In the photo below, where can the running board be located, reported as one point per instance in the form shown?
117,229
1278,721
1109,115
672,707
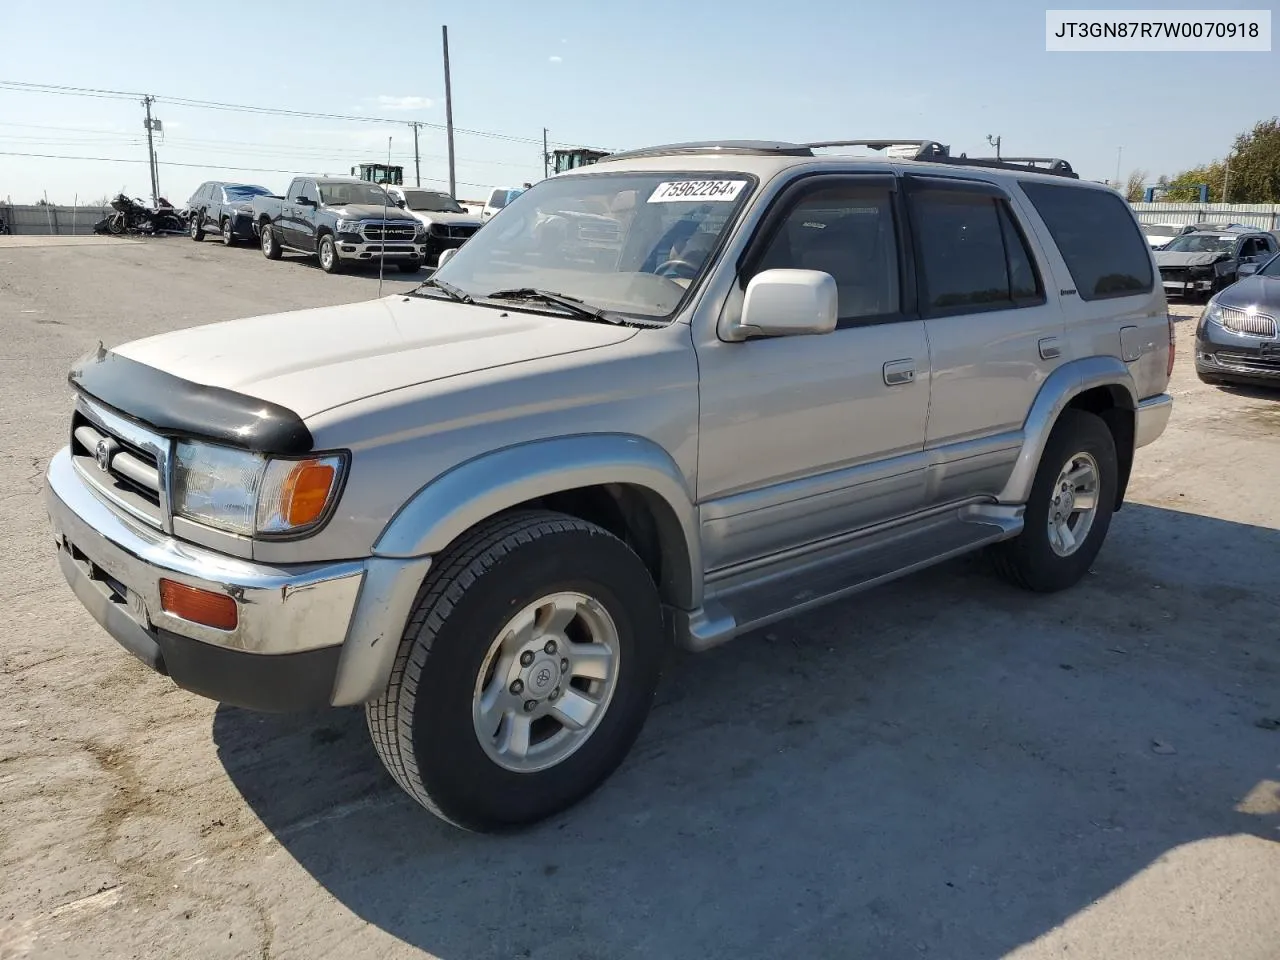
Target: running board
739,601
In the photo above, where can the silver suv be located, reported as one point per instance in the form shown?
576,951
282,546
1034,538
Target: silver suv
674,396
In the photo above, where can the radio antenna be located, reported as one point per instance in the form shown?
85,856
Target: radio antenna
386,198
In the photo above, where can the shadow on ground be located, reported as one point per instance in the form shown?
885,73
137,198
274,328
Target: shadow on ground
943,767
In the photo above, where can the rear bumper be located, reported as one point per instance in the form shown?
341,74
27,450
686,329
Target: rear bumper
306,637
1151,418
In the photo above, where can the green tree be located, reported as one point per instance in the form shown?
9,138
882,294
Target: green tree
1185,187
1255,165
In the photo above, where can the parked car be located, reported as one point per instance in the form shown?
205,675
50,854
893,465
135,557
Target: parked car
499,198
448,223
1205,261
1158,234
483,509
226,207
339,221
1237,340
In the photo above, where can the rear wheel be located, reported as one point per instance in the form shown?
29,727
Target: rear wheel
525,673
270,246
1069,510
327,253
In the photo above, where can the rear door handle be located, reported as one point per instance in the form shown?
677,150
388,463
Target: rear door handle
899,371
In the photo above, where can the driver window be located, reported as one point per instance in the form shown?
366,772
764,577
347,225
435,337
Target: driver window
309,191
848,231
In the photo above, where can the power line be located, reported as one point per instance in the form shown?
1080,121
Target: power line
64,90
199,166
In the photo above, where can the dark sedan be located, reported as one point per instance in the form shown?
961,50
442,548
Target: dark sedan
1237,340
225,209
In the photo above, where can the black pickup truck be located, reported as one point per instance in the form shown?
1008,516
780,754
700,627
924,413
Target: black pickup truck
339,220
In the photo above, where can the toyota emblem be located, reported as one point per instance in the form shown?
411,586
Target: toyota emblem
102,454
544,677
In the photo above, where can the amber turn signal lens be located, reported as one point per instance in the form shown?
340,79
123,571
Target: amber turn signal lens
211,609
306,491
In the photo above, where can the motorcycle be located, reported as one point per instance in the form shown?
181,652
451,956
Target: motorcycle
133,216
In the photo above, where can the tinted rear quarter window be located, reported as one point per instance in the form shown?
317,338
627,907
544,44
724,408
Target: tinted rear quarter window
1097,237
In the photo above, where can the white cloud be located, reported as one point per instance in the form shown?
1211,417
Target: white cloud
554,59
403,103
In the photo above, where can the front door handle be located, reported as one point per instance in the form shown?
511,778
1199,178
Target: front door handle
899,371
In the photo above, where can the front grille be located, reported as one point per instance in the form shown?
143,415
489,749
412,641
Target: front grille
450,231
388,230
1250,324
123,460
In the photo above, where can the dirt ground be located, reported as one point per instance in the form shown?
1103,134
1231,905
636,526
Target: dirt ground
946,767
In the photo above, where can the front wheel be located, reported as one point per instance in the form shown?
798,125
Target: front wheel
196,226
1069,511
228,233
270,246
525,673
327,252
116,224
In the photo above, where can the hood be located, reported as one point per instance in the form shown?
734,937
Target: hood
1175,258
369,211
313,360
1255,291
453,219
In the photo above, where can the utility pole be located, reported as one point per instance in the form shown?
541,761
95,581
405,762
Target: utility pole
1226,178
546,157
1119,151
995,142
448,111
417,168
151,151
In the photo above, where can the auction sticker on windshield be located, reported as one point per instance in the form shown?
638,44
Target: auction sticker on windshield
675,190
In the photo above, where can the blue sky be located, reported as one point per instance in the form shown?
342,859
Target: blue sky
613,75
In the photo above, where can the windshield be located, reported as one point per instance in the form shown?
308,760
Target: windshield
1157,229
639,256
501,198
1200,243
431,201
341,194
244,191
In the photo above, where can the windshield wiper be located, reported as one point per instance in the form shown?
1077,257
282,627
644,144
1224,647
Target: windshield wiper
575,306
448,289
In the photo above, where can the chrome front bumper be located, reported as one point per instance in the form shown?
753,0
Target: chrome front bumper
306,635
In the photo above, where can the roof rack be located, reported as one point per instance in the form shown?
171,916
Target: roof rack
926,151
757,147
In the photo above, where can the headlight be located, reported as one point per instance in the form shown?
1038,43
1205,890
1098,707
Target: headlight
423,231
1212,312
348,226
250,494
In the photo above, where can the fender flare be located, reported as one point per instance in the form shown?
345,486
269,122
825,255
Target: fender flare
1058,390
458,499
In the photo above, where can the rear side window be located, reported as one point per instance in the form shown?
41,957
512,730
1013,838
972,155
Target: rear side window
973,256
1097,237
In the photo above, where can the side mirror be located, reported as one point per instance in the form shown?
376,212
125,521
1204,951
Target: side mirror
785,302
1246,270
444,256
303,200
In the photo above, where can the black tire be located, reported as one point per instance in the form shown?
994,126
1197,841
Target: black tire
270,245
1029,560
327,254
116,225
413,267
196,226
228,232
422,725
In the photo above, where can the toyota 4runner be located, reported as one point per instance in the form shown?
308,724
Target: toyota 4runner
482,509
